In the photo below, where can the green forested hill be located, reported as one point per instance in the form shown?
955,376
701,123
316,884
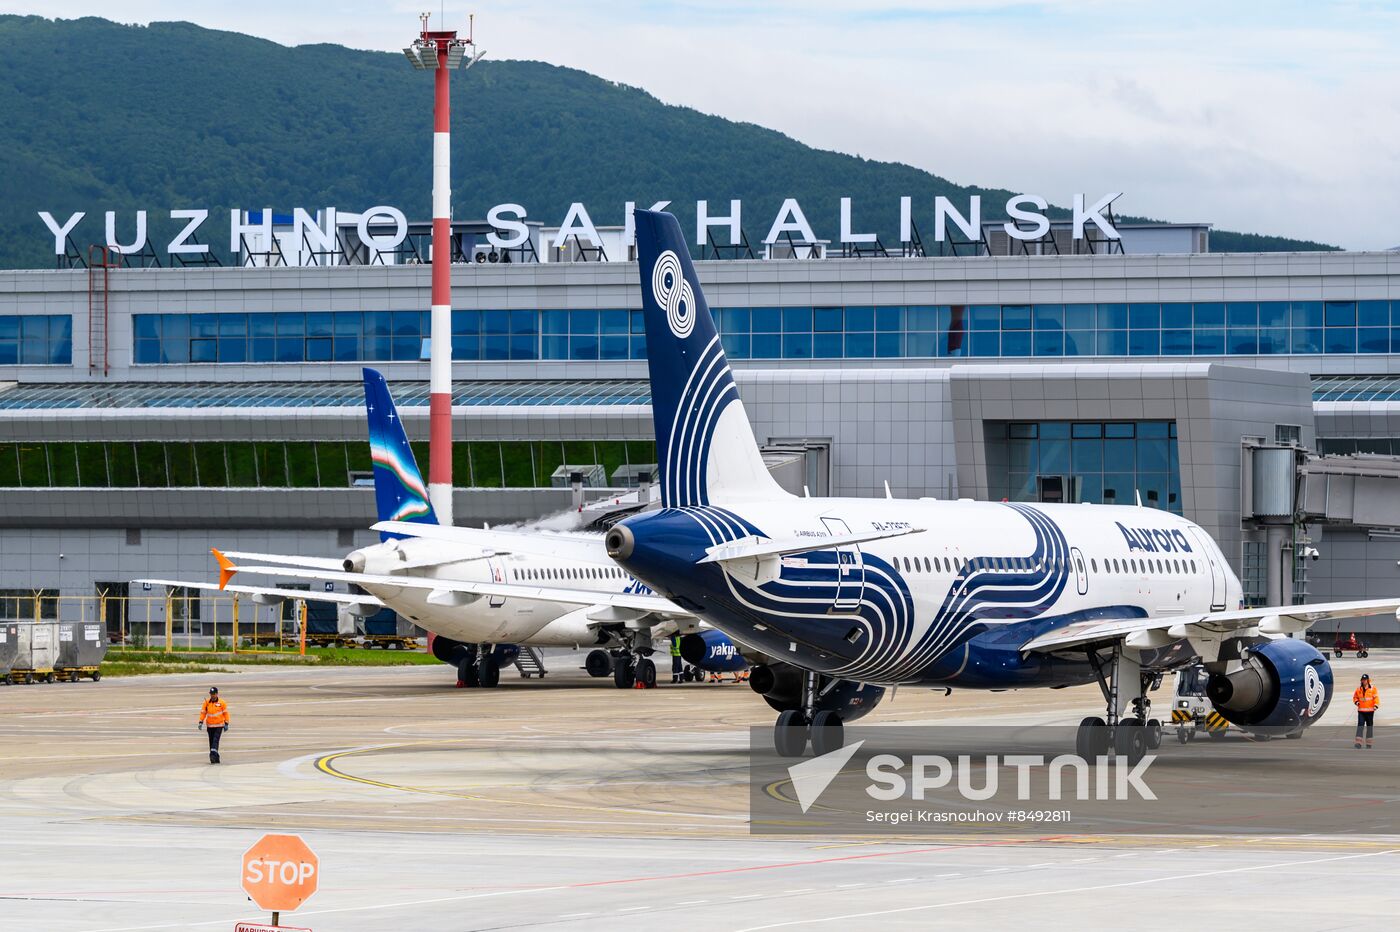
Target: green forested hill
98,116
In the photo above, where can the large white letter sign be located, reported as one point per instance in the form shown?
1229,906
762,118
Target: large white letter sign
507,217
60,233
790,219
377,216
703,222
971,225
1041,225
1093,215
180,245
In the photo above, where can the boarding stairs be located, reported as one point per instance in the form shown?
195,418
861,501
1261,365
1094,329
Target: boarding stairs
530,662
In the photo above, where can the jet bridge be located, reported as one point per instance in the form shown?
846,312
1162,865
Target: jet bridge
1285,489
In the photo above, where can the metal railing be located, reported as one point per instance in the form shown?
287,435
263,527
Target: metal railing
175,622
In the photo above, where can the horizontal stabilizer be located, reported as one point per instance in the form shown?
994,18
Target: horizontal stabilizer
750,547
583,548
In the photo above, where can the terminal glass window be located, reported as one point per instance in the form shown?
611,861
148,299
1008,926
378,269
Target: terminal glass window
1108,462
36,340
948,331
292,464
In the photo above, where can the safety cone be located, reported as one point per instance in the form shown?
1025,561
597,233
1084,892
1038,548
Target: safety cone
638,684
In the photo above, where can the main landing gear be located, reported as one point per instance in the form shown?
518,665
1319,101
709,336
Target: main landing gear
631,663
477,666
796,727
1128,730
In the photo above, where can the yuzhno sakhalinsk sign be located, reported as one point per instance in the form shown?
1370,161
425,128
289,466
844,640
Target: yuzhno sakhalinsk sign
384,228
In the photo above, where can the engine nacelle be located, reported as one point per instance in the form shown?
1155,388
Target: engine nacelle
505,654
712,652
780,685
1281,683
445,649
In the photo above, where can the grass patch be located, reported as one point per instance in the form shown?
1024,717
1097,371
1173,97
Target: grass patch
147,668
315,656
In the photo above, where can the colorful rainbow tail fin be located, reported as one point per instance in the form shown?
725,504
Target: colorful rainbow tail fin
399,491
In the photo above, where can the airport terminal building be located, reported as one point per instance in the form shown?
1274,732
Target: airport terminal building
147,414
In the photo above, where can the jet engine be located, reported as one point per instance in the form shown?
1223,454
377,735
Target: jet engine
1281,683
712,652
445,649
780,685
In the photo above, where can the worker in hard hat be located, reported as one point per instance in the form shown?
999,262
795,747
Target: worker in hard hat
1367,700
677,665
213,719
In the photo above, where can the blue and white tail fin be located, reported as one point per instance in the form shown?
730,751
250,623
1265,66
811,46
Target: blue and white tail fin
399,492
704,443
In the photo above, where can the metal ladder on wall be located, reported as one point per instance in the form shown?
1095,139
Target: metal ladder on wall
100,266
530,662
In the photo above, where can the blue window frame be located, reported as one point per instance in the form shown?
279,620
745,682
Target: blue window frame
38,340
1209,328
1242,314
1340,313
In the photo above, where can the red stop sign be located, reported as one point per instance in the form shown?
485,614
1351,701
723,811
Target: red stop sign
280,872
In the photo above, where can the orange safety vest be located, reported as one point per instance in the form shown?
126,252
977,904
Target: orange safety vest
1367,699
214,713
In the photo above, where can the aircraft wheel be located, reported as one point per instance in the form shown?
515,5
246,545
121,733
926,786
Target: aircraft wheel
624,674
1091,740
1154,734
488,671
598,663
1130,739
790,734
646,672
466,672
827,733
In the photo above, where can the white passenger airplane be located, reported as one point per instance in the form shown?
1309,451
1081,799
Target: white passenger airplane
844,597
478,591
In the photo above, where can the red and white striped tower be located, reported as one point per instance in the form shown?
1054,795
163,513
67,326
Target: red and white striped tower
441,52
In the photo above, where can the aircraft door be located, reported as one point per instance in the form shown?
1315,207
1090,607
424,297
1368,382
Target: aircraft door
851,573
1217,572
497,576
1081,571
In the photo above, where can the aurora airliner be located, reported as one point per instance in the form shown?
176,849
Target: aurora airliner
839,598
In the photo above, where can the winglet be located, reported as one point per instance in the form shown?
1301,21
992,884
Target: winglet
226,567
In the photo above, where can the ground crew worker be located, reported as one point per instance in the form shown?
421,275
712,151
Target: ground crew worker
1367,700
676,665
213,718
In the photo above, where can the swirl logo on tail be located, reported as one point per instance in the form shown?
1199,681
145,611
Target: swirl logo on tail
673,292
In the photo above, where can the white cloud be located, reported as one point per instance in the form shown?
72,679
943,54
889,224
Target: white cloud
1275,117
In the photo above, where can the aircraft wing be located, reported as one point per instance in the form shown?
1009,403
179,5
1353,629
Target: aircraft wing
751,547
272,592
441,589
319,563
583,548
1154,632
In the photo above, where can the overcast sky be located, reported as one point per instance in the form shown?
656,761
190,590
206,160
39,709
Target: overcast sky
1271,116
